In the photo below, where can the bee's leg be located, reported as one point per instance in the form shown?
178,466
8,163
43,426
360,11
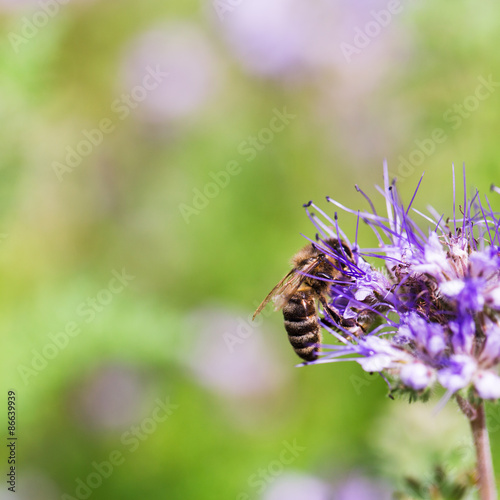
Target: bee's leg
353,326
327,322
335,319
349,324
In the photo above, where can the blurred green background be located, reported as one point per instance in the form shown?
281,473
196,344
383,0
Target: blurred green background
173,144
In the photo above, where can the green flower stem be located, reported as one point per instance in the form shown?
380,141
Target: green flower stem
484,464
486,476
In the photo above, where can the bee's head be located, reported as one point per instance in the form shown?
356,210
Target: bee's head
307,256
315,262
319,260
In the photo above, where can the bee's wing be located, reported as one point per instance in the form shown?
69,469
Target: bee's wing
275,291
286,288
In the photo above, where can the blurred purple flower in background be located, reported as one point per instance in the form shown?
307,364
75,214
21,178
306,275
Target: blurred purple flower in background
298,487
358,487
246,368
35,484
296,43
285,38
32,5
269,39
111,397
18,4
193,71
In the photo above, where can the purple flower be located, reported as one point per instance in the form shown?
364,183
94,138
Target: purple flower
32,5
433,314
463,333
297,486
359,487
289,40
229,355
377,354
432,260
490,354
487,385
428,338
186,73
417,375
458,374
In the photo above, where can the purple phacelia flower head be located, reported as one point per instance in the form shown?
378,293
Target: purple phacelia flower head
429,312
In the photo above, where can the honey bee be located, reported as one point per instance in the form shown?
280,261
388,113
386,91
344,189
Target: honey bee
296,294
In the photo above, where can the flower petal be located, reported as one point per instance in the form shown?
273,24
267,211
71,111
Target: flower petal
458,374
416,375
452,288
487,385
375,363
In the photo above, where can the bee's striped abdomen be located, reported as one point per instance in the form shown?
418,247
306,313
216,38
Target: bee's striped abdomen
301,324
